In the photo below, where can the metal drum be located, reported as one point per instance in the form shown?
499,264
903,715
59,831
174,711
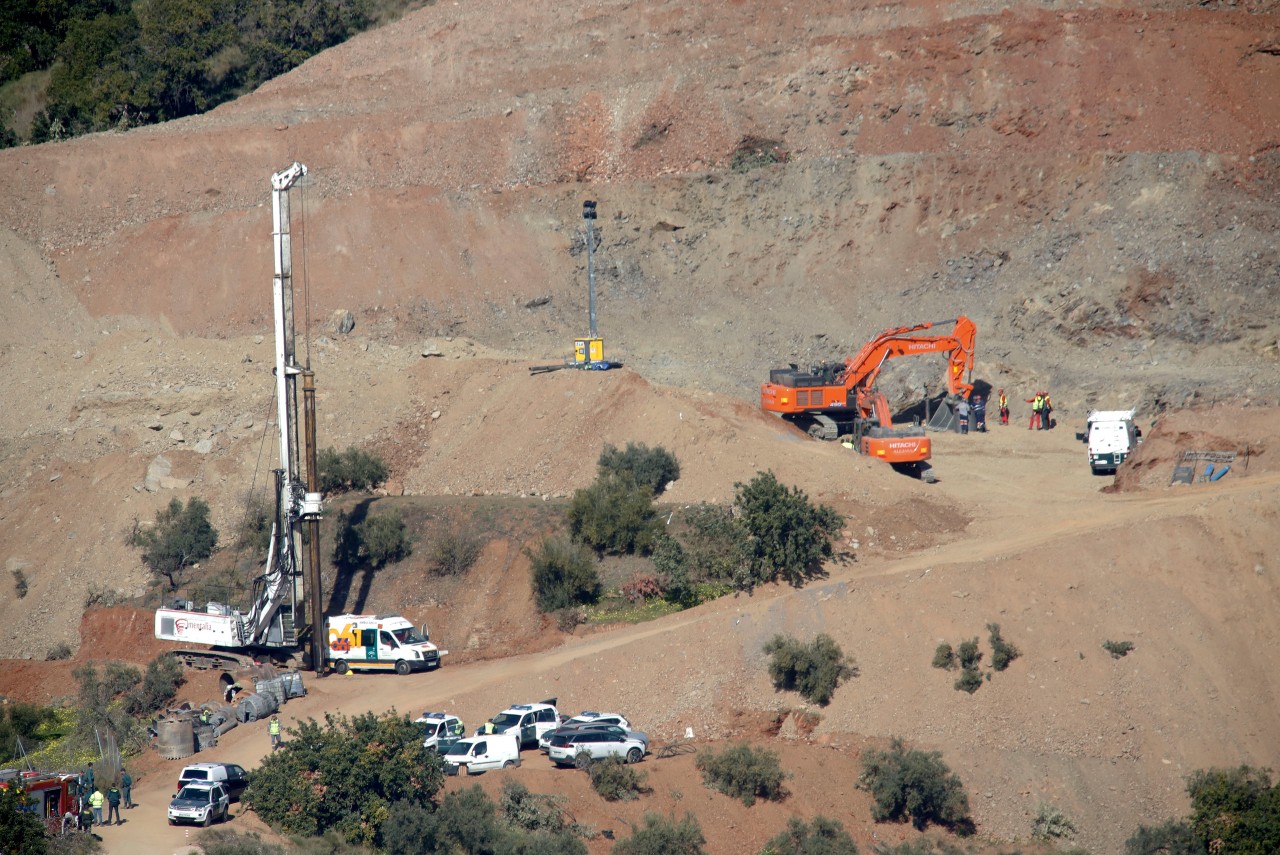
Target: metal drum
176,738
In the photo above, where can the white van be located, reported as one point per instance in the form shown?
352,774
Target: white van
1111,436
379,643
482,753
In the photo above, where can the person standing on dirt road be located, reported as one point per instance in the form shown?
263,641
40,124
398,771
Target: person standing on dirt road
113,804
273,728
126,787
1046,407
86,780
962,413
95,802
979,414
1037,403
1004,408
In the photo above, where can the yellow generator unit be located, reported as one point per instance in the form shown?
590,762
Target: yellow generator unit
588,350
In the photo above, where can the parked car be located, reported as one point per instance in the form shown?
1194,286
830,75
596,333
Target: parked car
202,804
528,721
481,753
545,742
440,730
234,778
596,744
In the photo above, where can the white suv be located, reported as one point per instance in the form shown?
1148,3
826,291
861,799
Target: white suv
200,803
584,719
528,721
596,744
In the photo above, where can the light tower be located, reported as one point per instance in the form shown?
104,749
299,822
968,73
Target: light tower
589,351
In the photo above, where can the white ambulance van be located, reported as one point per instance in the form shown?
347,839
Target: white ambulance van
379,643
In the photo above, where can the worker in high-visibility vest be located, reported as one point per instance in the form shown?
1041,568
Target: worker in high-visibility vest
95,801
1004,408
273,728
1037,404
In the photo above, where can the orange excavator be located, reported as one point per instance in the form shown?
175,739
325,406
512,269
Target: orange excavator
838,399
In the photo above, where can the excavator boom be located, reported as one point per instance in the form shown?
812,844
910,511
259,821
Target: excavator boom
837,395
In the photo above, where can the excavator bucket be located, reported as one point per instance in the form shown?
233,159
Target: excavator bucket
944,418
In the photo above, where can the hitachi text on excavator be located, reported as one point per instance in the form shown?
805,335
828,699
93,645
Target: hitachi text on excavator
840,399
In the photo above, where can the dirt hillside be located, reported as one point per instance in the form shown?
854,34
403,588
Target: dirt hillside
1093,186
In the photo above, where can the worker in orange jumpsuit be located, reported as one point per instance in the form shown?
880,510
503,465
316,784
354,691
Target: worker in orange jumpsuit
1004,408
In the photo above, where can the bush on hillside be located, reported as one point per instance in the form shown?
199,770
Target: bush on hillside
616,780
21,829
615,515
158,686
1117,649
814,669
1051,824
350,470
375,541
532,811
1237,809
1170,838
969,654
180,538
467,820
225,841
98,703
373,762
653,468
944,657
662,836
743,772
914,786
453,551
970,680
564,575
787,537
820,836
1002,652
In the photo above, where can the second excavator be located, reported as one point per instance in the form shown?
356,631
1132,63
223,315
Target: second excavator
839,399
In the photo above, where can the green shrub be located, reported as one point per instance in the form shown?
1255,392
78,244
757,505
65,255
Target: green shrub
788,537
1171,838
564,575
350,470
1051,824
225,841
711,548
375,541
1117,649
383,539
453,551
615,515
21,831
532,811
969,654
1002,652
743,772
821,836
20,586
254,533
373,761
662,836
98,704
944,657
75,844
1239,807
970,680
159,685
58,652
653,468
814,670
180,538
19,720
914,786
754,152
615,780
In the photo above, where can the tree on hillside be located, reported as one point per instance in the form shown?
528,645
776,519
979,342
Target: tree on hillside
1237,810
654,468
345,775
21,832
180,538
615,515
789,537
352,470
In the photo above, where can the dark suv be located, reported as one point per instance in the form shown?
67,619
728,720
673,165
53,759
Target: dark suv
234,778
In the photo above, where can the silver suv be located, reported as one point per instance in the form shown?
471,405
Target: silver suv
566,748
527,721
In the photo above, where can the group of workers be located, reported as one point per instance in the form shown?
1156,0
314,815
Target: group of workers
119,793
973,412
